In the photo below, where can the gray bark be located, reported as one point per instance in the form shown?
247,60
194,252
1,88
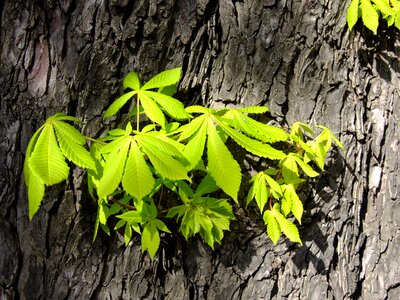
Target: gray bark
295,56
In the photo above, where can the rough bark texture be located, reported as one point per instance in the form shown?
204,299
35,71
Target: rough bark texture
295,56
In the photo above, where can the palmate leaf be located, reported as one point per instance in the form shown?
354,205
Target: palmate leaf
28,153
352,14
369,16
47,161
384,7
166,78
222,166
254,109
187,130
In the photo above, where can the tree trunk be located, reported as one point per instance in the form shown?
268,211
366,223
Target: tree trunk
295,56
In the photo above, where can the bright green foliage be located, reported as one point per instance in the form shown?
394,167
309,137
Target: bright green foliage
204,215
45,157
153,102
130,171
146,217
371,10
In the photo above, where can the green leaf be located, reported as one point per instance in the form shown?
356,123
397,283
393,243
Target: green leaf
162,79
172,106
35,194
384,7
198,109
150,239
254,109
305,167
68,138
113,169
296,204
63,117
195,147
273,228
151,109
131,81
132,217
290,171
28,153
369,16
137,180
251,145
261,193
222,166
207,186
47,161
276,189
187,130
127,234
117,104
352,14
288,228
160,225
165,164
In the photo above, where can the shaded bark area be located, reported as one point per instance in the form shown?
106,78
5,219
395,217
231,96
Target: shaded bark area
297,57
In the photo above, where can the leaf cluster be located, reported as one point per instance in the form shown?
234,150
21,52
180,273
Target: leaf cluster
179,166
371,10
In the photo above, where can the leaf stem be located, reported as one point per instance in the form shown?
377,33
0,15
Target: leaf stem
94,140
130,207
137,112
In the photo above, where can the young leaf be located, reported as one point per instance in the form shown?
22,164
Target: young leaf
195,147
113,169
222,166
117,104
207,186
254,109
251,145
290,171
162,79
369,16
305,167
35,194
70,141
288,228
150,239
131,81
273,228
151,109
137,180
165,164
296,204
172,106
47,161
127,234
352,14
261,192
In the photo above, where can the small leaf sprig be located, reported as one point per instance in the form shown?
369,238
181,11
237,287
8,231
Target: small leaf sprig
130,169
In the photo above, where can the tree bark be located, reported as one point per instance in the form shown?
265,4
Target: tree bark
295,56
